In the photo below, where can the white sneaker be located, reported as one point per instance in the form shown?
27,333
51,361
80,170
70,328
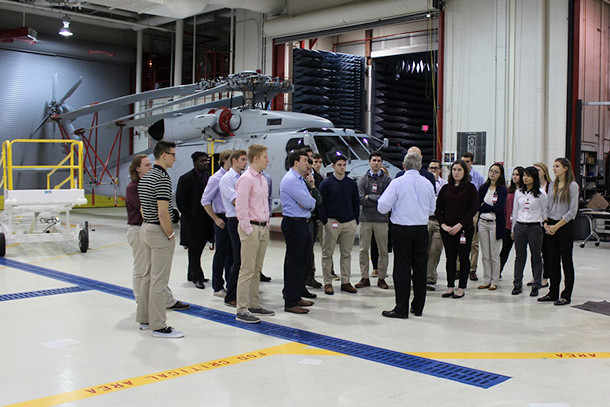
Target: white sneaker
222,293
167,332
144,327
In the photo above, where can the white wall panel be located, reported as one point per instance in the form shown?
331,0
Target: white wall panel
505,74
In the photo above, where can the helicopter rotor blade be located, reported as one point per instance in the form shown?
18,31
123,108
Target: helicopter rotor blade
39,126
71,91
55,85
197,95
126,100
237,101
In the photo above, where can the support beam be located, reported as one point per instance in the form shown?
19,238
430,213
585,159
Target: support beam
178,52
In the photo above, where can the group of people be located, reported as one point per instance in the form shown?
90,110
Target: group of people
415,215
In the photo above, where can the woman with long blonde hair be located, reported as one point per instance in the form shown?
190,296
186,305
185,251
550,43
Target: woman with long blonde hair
559,227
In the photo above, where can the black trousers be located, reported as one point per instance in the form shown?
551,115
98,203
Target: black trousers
232,225
507,244
310,270
223,255
374,252
410,263
453,250
298,250
561,248
195,272
546,264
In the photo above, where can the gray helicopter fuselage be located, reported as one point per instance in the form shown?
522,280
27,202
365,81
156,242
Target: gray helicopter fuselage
280,131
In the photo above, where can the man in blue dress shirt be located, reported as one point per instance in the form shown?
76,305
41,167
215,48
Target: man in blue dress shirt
412,200
298,195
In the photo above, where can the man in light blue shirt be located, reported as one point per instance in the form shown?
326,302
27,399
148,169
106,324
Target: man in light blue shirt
297,195
477,180
211,200
239,161
411,199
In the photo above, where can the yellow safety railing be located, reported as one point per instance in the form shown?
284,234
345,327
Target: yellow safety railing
75,156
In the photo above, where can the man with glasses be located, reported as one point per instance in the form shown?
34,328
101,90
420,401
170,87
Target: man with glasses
435,243
157,235
196,226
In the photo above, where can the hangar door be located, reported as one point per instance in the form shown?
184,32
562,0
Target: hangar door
28,88
404,104
330,85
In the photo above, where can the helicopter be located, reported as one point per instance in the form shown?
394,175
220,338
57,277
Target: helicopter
234,123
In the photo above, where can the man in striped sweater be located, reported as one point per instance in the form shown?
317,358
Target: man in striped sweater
157,235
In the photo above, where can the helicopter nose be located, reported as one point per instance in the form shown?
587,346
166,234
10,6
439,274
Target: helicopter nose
157,130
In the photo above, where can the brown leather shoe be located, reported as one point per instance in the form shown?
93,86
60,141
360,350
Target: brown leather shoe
382,284
364,282
305,303
484,286
231,303
297,310
328,289
493,287
348,288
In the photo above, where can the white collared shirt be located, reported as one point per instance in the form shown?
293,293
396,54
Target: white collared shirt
529,209
410,198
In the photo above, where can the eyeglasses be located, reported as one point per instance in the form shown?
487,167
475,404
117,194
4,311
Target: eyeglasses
494,172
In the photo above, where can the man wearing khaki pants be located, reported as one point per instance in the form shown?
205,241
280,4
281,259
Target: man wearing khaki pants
370,188
339,212
157,235
252,211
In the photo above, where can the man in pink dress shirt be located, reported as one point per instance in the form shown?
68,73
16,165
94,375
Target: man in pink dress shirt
252,211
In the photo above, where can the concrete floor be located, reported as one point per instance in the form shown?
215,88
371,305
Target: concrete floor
84,348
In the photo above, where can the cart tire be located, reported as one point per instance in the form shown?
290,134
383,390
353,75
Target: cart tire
83,240
582,245
596,243
2,245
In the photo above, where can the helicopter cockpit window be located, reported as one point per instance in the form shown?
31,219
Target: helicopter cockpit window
356,147
330,146
293,144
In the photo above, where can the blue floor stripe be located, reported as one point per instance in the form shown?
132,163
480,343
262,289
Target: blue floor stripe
41,293
461,374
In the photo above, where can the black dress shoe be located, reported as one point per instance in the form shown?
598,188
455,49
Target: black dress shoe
264,278
562,301
311,282
394,314
417,314
458,296
534,292
547,298
447,295
199,284
308,294
516,291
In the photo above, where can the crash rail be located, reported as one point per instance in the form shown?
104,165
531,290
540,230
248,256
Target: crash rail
75,156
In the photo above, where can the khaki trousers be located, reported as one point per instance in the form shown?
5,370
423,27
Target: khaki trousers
490,252
435,248
344,234
474,249
381,237
253,248
139,265
158,255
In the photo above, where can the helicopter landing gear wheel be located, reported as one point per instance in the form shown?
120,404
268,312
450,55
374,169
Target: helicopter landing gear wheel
83,238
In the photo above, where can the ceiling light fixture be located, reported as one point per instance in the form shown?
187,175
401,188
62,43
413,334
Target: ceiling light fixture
65,30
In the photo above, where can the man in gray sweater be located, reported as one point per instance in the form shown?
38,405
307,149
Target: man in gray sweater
370,188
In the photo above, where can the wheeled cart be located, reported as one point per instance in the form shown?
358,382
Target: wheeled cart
43,215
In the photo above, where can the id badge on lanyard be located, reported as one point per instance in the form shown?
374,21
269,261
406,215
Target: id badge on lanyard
527,204
374,187
494,199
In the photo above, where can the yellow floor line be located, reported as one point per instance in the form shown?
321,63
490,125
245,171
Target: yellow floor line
511,355
292,348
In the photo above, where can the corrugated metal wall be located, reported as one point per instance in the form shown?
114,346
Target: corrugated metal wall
27,86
